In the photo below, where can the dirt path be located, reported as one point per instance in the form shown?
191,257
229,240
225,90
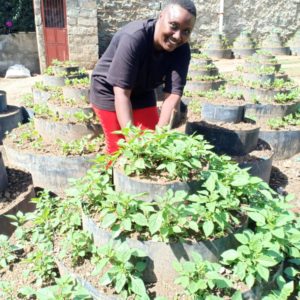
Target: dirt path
285,175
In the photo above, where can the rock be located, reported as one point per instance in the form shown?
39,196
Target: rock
17,71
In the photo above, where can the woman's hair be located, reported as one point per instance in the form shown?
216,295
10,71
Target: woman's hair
187,5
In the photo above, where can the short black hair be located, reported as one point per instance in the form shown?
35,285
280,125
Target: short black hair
187,5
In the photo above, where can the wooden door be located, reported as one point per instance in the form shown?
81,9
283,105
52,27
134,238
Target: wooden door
55,30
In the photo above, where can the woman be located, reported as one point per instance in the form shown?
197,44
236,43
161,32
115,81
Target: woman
140,57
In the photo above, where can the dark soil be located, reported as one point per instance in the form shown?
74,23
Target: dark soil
18,183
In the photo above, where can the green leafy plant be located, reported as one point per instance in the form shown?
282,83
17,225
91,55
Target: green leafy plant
125,266
253,259
7,252
78,82
289,120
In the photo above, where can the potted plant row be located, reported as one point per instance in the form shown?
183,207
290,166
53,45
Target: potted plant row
217,47
219,117
274,44
60,139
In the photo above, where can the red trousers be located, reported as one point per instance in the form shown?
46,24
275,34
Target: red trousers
146,118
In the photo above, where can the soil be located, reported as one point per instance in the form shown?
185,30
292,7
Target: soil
18,183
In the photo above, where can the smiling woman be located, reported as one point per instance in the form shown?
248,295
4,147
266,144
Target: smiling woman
141,56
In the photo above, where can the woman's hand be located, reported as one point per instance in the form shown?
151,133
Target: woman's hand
169,106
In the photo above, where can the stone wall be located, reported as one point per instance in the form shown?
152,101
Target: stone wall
81,29
257,16
82,32
19,48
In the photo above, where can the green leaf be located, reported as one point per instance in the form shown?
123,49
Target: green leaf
140,219
139,163
208,228
155,222
194,226
291,272
106,279
257,217
100,265
237,296
263,272
171,167
250,279
240,180
243,239
138,286
108,220
120,283
230,255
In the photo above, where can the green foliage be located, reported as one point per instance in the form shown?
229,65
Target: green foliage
64,288
7,252
202,279
289,120
20,12
78,82
174,155
125,265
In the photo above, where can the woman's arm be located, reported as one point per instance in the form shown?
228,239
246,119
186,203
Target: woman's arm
123,106
169,105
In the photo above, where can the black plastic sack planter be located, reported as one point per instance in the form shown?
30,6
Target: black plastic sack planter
23,204
49,80
3,175
277,50
295,50
252,64
10,119
94,293
27,113
242,53
203,72
3,102
192,85
65,110
161,255
133,185
80,94
52,130
218,53
49,171
260,166
285,143
266,111
214,112
231,142
258,77
67,70
40,96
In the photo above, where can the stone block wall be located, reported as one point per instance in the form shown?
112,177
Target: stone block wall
19,48
82,32
257,16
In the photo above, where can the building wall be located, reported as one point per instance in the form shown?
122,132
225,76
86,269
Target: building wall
82,32
19,48
257,16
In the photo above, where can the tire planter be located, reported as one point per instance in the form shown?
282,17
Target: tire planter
10,119
242,53
261,166
3,102
203,85
214,112
218,53
154,190
76,93
40,96
231,142
49,171
23,204
3,175
277,50
266,111
285,143
53,80
160,254
52,130
97,295
27,113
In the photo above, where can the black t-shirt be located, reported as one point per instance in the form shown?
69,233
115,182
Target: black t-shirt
131,62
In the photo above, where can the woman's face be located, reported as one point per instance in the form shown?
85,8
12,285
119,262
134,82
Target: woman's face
173,28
